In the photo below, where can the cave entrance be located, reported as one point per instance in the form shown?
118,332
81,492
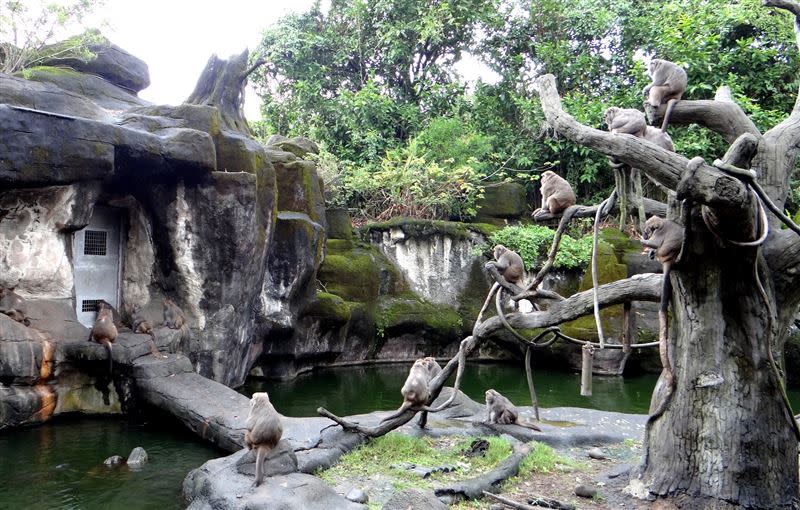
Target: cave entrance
97,251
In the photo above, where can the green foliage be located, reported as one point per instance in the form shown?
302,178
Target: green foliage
374,82
532,243
28,27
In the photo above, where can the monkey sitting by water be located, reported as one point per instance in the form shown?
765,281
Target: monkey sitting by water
104,332
14,305
264,430
174,318
500,410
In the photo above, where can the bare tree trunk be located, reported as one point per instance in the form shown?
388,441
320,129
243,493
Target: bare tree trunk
221,84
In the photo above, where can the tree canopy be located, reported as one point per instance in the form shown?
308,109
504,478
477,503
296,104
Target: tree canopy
370,76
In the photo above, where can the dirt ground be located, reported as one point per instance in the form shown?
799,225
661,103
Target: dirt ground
590,472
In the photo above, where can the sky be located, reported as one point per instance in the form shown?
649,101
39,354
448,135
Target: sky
176,37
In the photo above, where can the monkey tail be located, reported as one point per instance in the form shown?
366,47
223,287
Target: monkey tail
261,453
529,425
403,408
665,122
663,341
107,344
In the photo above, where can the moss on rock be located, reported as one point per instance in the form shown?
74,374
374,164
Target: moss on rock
331,310
396,315
505,200
417,229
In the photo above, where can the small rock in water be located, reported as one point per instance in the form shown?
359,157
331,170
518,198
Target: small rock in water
114,461
357,496
596,453
137,458
585,491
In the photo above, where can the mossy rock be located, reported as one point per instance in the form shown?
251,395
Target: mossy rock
609,269
330,310
357,272
340,225
505,200
420,229
395,316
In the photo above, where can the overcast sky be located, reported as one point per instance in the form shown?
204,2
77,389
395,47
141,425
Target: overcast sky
176,37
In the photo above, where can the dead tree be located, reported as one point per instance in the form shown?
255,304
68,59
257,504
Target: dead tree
722,435
221,84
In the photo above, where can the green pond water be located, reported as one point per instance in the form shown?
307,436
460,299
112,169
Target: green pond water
60,464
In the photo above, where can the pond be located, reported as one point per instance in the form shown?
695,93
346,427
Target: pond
60,464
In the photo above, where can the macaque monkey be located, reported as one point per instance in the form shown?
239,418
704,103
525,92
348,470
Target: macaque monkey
659,137
664,238
509,264
139,324
264,430
500,410
557,194
101,303
415,391
433,367
14,305
669,84
174,317
625,121
104,332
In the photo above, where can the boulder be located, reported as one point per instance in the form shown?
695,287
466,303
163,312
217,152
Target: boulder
137,458
109,61
502,202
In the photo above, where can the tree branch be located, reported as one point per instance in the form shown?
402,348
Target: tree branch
723,117
651,207
662,165
643,287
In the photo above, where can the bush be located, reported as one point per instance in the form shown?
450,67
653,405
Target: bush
533,242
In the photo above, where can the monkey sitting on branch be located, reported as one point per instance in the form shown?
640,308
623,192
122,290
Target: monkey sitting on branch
14,305
264,430
557,194
668,84
416,389
665,240
501,411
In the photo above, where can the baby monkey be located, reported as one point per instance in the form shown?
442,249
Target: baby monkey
664,238
264,430
500,410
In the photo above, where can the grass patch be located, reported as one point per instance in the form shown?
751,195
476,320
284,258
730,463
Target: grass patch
388,454
544,459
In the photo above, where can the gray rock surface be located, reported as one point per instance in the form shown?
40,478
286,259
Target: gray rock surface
357,496
208,488
279,461
414,499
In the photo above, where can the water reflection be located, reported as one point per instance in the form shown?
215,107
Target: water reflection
353,390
